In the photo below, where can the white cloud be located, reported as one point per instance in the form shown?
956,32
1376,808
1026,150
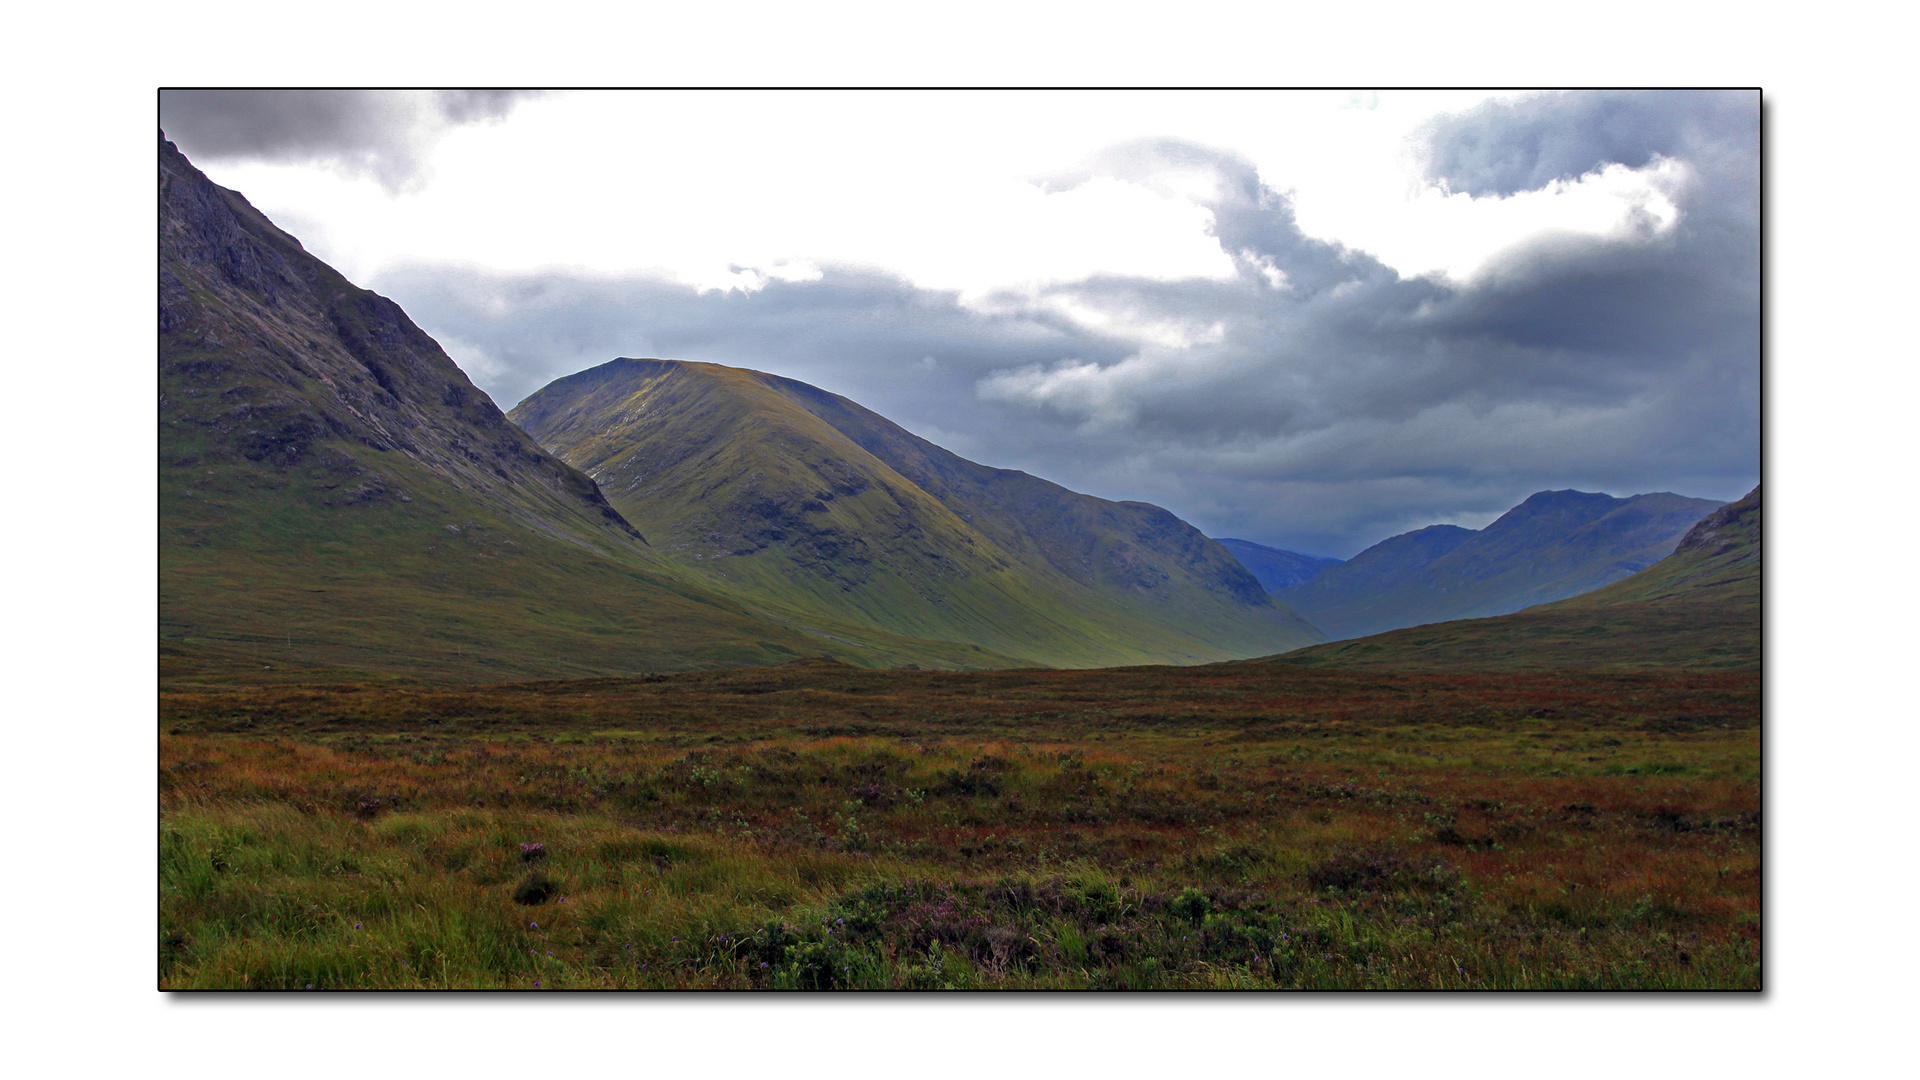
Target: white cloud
732,190
1075,387
1428,230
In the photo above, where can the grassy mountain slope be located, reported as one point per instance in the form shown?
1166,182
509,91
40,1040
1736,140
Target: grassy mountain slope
1273,568
1697,608
1717,561
334,493
781,492
1554,545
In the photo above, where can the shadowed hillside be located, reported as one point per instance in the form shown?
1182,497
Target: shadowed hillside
782,492
1554,545
1696,608
1276,569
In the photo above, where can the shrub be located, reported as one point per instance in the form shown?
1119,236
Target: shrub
971,782
1191,905
811,965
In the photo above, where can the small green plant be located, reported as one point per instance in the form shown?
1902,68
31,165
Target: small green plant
1191,905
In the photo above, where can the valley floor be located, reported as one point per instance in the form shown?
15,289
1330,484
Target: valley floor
818,826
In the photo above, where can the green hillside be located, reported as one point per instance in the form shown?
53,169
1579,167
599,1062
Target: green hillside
335,494
1697,608
781,493
1554,545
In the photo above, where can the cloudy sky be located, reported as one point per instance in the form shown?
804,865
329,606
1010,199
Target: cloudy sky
1309,320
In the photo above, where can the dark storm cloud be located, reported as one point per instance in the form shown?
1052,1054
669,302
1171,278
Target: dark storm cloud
1502,148
851,332
382,133
1315,401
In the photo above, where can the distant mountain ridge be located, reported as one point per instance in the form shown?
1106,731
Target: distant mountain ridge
1698,608
1555,544
775,489
1274,568
1717,562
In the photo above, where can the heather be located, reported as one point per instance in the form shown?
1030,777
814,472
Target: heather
821,827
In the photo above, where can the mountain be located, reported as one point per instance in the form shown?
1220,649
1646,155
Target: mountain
1697,608
785,494
335,493
1716,562
1276,569
1554,545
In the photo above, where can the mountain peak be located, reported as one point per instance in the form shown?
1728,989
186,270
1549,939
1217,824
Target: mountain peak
334,492
780,489
1553,545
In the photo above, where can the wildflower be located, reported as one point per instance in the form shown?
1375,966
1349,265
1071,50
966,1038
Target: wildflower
536,984
535,925
356,926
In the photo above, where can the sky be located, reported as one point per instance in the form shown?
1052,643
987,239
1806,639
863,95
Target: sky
1310,320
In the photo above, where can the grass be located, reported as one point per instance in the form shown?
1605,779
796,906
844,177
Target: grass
444,587
818,826
1698,634
777,492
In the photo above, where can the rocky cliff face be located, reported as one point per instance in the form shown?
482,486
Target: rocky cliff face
1732,526
273,355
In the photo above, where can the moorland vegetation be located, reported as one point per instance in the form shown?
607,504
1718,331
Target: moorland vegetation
820,826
